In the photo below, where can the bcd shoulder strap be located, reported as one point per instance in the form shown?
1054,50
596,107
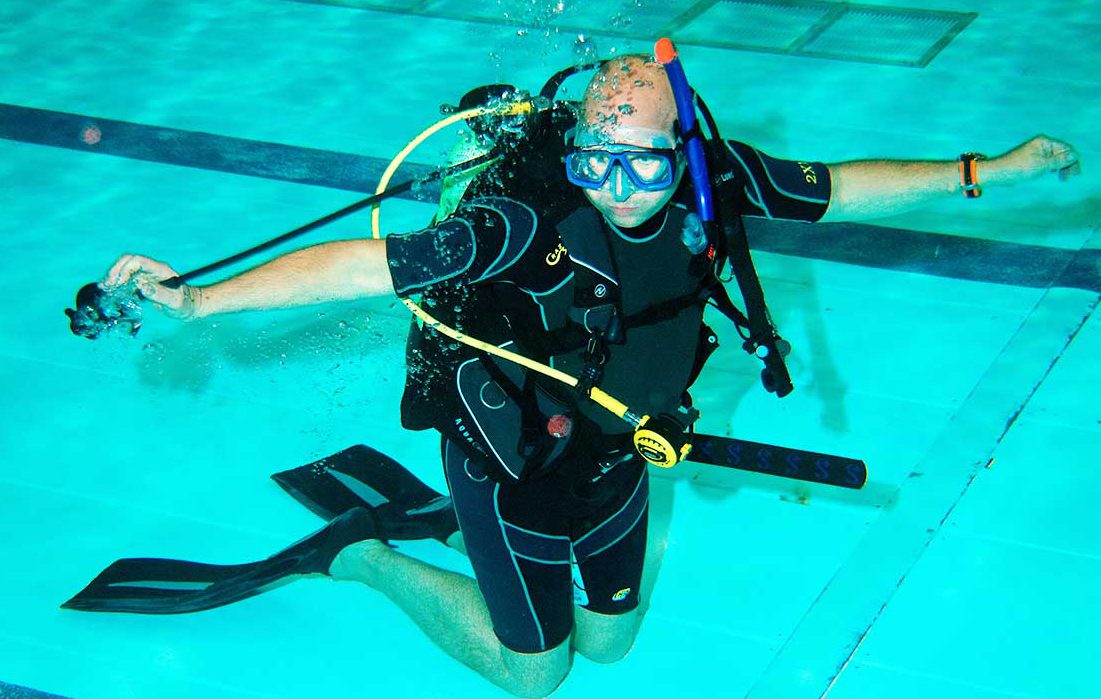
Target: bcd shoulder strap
759,335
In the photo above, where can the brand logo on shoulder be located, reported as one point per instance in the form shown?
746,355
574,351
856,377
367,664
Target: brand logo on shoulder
555,256
809,173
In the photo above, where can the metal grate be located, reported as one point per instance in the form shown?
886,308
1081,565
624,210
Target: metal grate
753,26
834,30
813,28
886,35
632,19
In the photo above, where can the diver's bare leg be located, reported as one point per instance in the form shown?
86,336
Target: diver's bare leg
449,608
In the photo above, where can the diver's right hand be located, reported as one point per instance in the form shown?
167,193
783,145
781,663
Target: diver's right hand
184,303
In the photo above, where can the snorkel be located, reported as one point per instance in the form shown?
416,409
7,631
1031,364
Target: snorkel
761,339
666,54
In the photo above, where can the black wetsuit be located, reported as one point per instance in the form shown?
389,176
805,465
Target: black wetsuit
529,503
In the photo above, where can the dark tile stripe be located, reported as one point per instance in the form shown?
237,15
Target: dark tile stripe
14,691
196,149
936,254
870,246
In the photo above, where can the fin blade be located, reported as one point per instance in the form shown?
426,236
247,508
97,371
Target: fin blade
359,476
172,586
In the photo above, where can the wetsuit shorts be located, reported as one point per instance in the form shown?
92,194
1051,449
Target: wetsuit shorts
541,547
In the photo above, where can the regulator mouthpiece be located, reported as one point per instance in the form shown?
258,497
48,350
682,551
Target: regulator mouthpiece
100,311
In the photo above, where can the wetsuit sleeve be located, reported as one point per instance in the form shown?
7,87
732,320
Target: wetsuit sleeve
768,187
482,240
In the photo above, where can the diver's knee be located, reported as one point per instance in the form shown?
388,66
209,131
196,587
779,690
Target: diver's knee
536,688
603,638
537,675
607,653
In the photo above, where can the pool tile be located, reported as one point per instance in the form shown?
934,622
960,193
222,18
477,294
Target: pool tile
1006,617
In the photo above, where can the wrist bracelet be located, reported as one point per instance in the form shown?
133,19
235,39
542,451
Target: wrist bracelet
193,297
969,174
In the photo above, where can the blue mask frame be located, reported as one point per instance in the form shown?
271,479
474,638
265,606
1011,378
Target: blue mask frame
621,159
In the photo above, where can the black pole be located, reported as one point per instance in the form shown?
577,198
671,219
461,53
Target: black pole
177,282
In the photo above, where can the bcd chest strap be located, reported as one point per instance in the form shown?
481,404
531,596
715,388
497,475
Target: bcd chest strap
597,304
596,313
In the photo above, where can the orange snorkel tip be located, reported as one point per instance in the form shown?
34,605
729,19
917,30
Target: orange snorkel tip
664,51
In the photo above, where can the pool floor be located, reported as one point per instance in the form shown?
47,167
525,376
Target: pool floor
954,351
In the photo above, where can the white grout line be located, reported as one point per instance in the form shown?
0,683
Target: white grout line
828,636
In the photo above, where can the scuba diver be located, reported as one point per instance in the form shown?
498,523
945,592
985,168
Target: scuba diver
596,255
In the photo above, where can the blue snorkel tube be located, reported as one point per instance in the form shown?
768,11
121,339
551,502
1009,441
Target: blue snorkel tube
761,339
666,54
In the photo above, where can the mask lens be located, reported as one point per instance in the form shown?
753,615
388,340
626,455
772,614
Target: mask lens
588,167
650,168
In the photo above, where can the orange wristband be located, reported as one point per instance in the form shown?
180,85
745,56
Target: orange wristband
969,174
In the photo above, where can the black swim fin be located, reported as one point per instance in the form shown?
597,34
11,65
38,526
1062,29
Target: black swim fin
403,506
168,586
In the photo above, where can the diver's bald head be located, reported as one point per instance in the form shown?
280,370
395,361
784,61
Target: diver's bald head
628,94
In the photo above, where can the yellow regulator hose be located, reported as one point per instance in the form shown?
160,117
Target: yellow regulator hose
665,455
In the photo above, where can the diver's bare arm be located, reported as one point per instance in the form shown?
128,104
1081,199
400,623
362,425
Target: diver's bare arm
873,188
336,271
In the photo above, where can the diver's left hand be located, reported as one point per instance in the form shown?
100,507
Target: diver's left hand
1033,158
145,274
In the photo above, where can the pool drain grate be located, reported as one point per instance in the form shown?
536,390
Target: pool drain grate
837,31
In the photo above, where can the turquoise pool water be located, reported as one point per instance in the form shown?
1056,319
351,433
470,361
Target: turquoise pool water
928,354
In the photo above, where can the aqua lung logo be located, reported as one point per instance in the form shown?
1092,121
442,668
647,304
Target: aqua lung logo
621,595
466,435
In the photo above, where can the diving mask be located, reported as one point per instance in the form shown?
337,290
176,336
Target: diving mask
648,169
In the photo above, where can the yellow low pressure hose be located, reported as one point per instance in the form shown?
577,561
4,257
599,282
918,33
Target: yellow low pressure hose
598,396
409,148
